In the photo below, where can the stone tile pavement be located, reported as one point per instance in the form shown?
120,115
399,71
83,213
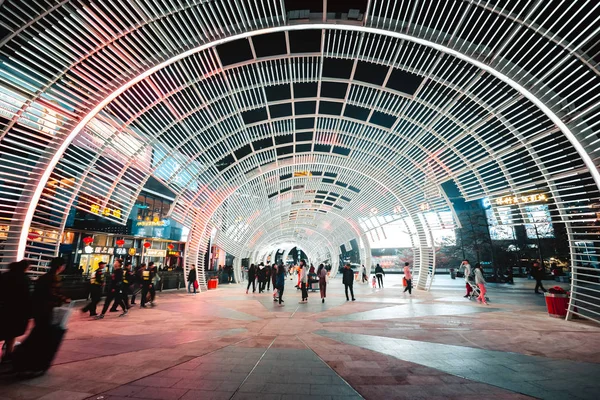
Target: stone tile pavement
225,344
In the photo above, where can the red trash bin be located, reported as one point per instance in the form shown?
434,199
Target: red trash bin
213,283
557,304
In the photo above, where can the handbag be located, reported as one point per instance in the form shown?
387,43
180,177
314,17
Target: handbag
404,283
195,284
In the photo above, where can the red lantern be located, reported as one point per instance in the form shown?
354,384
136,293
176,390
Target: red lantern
120,242
147,245
170,246
33,235
88,239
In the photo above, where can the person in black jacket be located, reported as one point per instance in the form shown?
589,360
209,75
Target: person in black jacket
48,294
137,282
261,277
115,290
379,273
96,285
148,275
191,279
348,281
251,278
128,279
15,305
538,274
267,278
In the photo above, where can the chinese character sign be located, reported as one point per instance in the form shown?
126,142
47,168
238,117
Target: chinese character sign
521,199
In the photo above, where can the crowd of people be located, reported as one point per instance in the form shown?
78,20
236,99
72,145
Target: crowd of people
262,276
121,285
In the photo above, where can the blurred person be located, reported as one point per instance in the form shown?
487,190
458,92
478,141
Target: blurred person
537,272
48,293
15,305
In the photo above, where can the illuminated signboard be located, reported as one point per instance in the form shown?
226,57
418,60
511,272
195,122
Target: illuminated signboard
107,212
300,174
521,199
155,253
155,222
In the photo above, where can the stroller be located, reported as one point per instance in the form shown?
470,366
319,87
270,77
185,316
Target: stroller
475,292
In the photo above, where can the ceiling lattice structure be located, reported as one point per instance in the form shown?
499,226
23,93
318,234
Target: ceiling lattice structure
277,125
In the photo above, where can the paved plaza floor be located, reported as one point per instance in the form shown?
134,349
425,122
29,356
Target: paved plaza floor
226,344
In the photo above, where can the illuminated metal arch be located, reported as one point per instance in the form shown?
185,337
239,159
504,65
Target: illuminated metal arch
371,15
84,121
422,231
334,239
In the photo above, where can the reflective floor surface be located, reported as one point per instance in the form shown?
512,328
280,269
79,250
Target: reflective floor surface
226,344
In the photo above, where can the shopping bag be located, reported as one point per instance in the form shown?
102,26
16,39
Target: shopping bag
195,284
404,283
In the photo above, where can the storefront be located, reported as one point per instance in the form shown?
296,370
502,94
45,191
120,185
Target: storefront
87,249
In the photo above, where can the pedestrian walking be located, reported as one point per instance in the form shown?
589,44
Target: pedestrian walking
480,282
15,305
96,286
251,278
274,275
115,290
137,279
126,287
148,281
379,273
408,277
191,279
268,271
538,274
365,277
261,277
468,270
304,281
348,281
280,282
48,294
322,275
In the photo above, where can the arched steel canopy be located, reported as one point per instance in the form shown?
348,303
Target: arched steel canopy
223,100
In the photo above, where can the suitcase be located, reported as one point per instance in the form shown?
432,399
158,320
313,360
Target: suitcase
36,353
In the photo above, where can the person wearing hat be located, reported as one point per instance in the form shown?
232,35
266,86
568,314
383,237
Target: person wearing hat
96,285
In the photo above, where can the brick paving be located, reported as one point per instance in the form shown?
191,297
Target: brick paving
225,344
